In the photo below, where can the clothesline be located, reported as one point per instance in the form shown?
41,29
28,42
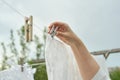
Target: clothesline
36,64
29,65
21,14
101,52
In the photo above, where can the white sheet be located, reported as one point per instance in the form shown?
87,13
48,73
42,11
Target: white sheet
61,63
15,73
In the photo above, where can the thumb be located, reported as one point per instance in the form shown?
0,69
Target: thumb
59,33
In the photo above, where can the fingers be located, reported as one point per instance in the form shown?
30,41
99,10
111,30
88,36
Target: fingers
56,24
60,34
61,26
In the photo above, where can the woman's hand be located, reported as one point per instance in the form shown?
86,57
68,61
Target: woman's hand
64,33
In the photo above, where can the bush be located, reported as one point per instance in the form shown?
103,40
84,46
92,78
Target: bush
115,74
41,73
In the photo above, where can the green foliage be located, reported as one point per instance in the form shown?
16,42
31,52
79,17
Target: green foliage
12,44
24,50
4,57
115,74
41,73
38,47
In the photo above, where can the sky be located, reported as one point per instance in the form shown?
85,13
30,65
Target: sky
96,22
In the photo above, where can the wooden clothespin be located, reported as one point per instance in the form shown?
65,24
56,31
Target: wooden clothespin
21,63
28,28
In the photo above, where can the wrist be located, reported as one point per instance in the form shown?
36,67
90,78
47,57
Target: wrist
76,42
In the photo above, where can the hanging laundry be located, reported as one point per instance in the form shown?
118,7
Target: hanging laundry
61,63
15,73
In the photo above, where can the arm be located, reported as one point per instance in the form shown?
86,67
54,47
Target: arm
86,63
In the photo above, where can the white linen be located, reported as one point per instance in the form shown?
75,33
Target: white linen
61,63
15,73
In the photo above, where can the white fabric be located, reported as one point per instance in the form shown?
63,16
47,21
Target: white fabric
15,73
61,63
103,73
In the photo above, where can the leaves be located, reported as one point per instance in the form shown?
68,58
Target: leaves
24,49
115,74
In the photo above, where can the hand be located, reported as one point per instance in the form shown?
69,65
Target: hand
64,33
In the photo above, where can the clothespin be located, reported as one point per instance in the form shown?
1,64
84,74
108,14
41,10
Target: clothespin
28,28
53,31
21,63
